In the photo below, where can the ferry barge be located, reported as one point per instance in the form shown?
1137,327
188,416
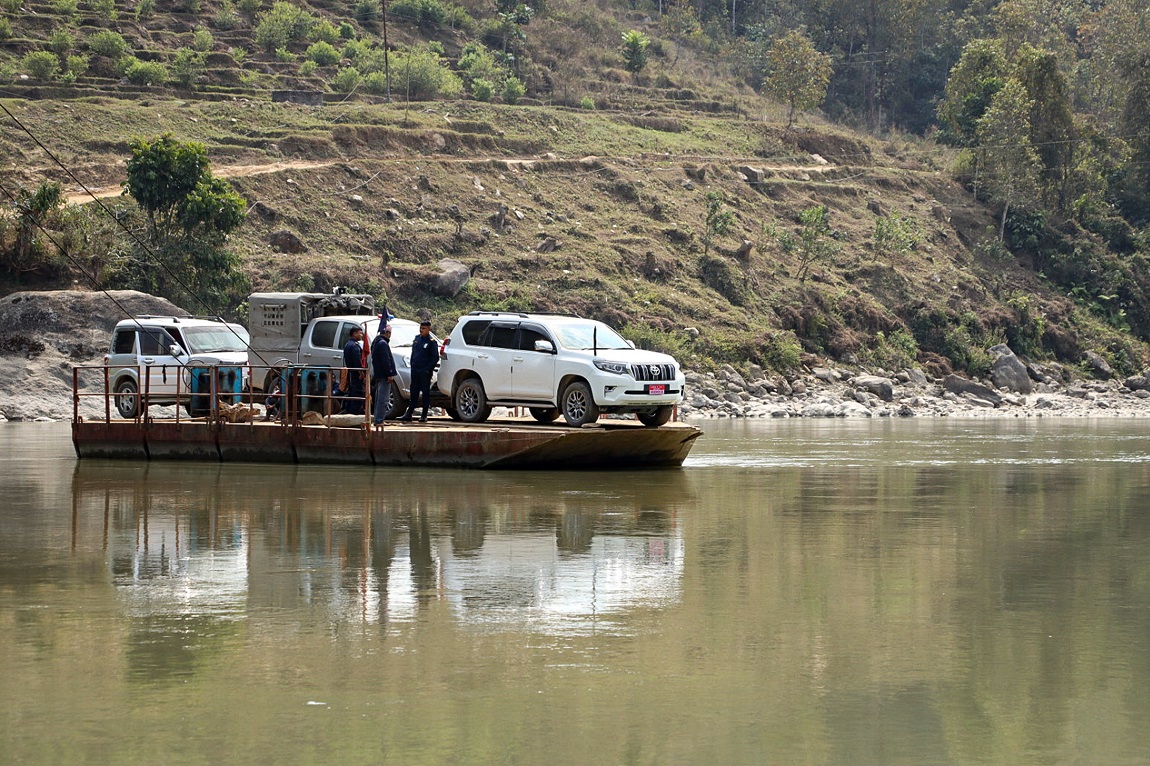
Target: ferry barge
303,435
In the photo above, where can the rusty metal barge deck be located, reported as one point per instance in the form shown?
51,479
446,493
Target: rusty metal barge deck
511,443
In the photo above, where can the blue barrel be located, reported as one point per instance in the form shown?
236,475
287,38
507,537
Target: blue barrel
200,391
314,386
230,384
229,387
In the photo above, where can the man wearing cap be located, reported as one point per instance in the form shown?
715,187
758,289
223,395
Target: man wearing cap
424,358
382,372
353,363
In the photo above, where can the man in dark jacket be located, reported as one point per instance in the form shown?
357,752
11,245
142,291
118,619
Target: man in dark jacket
424,358
382,372
353,361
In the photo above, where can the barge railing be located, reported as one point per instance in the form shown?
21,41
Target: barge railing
300,388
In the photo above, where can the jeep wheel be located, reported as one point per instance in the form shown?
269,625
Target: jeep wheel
271,380
127,398
471,401
657,418
578,405
545,414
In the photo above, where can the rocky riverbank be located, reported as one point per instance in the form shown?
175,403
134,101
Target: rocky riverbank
44,335
830,392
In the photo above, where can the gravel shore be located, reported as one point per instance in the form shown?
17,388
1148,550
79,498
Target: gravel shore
843,393
44,335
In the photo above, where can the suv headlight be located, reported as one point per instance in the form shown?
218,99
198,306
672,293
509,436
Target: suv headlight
616,368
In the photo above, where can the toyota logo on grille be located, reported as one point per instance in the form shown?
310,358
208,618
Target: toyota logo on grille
654,370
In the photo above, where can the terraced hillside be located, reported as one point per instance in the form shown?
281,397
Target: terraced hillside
611,212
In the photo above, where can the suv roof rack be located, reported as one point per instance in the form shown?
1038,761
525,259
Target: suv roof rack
519,314
205,317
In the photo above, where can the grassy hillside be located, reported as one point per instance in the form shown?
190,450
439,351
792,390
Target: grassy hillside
599,211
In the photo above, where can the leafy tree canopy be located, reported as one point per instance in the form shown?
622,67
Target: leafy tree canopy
797,74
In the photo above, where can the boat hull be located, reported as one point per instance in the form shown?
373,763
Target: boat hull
501,444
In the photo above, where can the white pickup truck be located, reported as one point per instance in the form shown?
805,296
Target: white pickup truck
311,329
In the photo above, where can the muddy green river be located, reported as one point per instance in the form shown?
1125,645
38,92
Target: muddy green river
800,592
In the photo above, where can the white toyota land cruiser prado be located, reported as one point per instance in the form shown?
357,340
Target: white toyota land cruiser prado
554,365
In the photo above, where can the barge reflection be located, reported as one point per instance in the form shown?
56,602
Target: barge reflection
551,552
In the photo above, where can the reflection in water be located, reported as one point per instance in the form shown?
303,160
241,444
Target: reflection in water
219,542
801,592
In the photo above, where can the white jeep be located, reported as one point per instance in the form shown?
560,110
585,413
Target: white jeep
155,355
311,329
554,365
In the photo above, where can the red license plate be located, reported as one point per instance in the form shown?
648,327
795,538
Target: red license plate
656,389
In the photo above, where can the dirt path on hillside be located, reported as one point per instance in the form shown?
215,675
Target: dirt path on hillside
221,171
80,197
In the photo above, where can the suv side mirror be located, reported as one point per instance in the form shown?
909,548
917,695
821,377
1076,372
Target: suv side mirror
175,350
545,346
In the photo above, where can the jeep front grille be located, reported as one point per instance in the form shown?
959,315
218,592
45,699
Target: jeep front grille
653,371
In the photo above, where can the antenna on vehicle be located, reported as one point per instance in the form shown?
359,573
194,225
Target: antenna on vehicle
594,340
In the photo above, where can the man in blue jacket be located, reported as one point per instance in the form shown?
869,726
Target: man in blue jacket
353,361
382,372
424,358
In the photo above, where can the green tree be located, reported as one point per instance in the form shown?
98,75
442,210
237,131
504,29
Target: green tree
146,73
1114,37
896,234
33,212
43,65
187,66
513,90
202,40
420,74
716,221
324,31
482,90
972,84
322,53
797,73
477,62
170,180
108,43
346,80
1135,122
74,66
814,241
634,51
366,11
190,215
282,24
1010,163
1052,131
506,30
61,42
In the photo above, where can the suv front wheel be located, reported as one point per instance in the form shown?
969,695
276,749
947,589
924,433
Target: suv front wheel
656,418
471,401
545,414
577,404
127,398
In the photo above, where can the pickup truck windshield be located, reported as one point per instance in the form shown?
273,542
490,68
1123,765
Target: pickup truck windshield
590,335
214,340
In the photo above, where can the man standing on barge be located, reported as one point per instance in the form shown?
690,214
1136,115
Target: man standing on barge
424,358
353,362
382,371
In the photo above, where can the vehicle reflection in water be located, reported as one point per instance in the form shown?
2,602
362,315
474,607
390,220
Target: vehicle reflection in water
193,543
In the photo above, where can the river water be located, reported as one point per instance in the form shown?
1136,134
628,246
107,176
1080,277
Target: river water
815,592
